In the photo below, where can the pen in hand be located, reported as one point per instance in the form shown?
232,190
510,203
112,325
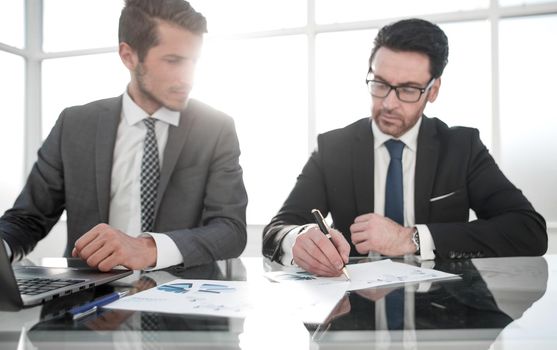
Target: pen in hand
323,227
92,306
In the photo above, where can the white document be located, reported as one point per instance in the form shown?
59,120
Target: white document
365,275
197,297
387,272
307,303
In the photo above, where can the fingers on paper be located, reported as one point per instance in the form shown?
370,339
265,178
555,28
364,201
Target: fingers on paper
314,252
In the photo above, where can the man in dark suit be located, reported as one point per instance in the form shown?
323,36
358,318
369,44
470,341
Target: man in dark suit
150,178
416,201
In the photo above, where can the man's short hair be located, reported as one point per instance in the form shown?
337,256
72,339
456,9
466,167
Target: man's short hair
415,35
139,20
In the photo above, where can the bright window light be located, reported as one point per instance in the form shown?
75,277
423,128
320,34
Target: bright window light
465,95
11,23
11,142
226,17
528,120
255,63
74,25
341,67
78,80
338,11
262,84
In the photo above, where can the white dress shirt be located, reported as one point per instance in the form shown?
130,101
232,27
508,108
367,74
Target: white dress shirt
125,188
381,165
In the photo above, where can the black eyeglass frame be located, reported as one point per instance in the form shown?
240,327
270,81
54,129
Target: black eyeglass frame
396,87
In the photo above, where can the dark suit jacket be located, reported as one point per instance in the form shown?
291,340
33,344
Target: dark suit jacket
201,199
338,179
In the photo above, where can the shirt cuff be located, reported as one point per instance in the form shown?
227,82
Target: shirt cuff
288,241
8,250
426,243
168,253
287,258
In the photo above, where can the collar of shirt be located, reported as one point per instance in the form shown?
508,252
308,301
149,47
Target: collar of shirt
410,138
134,114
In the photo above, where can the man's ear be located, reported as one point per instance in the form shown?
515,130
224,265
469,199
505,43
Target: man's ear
128,56
434,91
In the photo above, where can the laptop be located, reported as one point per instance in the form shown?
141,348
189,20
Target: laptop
25,286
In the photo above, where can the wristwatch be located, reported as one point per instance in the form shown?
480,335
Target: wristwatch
416,240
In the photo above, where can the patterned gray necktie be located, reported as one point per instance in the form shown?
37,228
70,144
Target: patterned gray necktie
149,176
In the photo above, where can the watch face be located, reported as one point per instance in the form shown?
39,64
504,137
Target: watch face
416,241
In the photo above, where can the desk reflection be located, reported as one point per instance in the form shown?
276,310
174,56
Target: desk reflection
124,329
471,309
468,313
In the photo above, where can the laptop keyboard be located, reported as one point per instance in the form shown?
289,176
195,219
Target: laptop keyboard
34,286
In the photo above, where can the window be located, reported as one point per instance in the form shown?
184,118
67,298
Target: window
522,2
269,106
225,17
338,11
73,25
465,95
11,142
11,23
341,62
528,120
78,80
285,74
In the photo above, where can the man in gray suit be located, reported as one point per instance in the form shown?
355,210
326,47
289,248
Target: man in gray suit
148,179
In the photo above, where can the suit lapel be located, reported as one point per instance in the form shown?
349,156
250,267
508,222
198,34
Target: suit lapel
362,168
107,127
426,167
177,136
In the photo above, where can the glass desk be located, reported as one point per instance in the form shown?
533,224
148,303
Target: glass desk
502,303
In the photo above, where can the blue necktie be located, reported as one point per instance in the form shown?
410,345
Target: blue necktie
394,206
394,209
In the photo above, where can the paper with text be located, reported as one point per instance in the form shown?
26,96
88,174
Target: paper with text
307,303
365,275
197,297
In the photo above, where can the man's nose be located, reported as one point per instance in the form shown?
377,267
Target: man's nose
390,100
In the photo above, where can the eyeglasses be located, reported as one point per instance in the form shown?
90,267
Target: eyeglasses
405,93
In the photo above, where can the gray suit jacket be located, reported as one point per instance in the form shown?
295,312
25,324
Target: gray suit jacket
201,200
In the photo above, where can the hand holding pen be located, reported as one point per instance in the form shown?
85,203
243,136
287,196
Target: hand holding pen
323,227
315,253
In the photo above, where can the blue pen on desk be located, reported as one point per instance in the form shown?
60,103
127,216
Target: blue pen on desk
92,306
